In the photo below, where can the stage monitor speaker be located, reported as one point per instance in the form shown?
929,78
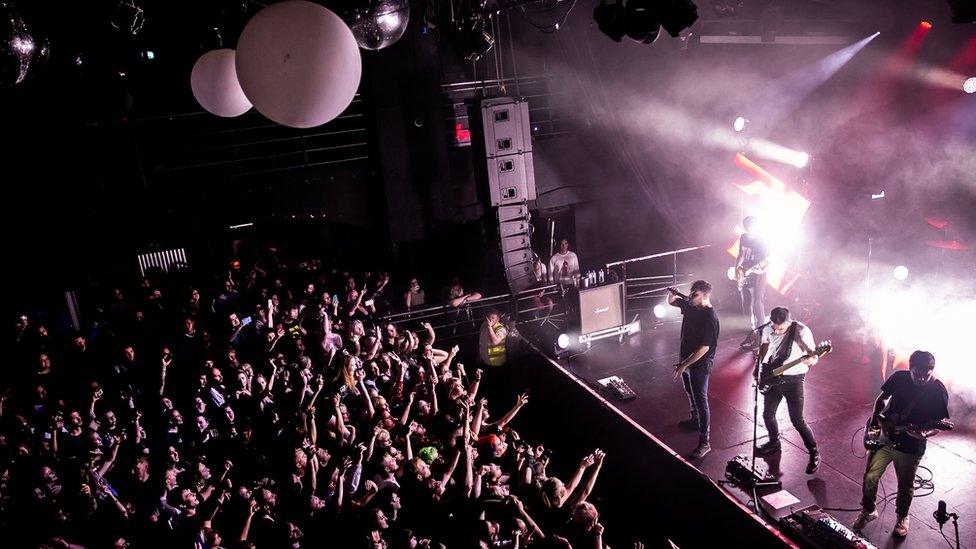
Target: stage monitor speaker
602,308
511,179
505,121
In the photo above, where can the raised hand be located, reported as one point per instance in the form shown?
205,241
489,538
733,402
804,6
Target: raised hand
523,399
589,460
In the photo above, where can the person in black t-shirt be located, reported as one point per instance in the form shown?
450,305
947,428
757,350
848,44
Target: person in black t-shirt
916,398
753,254
699,338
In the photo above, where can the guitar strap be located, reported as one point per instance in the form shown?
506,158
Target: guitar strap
783,352
912,403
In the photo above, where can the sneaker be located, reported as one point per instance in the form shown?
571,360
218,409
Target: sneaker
690,424
770,447
702,449
901,527
863,519
814,462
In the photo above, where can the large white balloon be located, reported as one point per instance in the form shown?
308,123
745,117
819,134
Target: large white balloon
298,63
215,86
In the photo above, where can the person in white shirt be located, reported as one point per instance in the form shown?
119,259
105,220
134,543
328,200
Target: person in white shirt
780,332
564,264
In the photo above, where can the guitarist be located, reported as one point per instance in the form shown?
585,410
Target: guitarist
785,340
753,254
914,397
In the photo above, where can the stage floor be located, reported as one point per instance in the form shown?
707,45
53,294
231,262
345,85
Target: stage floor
839,395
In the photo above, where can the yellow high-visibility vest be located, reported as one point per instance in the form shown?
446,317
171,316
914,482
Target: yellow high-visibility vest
496,353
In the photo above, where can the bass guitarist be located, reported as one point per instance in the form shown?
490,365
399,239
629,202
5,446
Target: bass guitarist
750,274
786,340
914,397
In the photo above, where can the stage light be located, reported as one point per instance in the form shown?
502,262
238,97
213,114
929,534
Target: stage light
675,15
739,124
900,272
925,25
660,311
474,40
969,86
562,341
610,19
764,148
878,195
640,24
963,11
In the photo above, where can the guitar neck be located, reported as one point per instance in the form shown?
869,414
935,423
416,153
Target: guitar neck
788,365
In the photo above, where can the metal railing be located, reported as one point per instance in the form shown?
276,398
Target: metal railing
520,306
470,315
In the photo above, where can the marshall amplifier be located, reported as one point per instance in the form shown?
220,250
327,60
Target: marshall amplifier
601,308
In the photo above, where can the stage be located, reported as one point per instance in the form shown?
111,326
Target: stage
840,391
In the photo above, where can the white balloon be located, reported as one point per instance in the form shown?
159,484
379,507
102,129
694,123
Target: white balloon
298,63
215,86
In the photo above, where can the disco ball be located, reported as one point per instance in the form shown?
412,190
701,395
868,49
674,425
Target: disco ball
380,24
20,49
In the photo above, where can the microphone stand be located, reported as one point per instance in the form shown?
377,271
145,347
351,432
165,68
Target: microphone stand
755,426
943,519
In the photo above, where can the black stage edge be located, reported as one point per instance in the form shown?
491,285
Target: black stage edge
647,483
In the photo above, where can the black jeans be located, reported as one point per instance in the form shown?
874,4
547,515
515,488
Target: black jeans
792,390
752,303
695,381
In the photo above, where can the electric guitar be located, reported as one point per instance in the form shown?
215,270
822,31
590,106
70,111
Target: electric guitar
879,436
771,375
742,275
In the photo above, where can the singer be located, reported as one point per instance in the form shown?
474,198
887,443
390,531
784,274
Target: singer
699,338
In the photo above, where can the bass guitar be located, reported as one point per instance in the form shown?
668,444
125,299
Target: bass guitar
771,375
878,435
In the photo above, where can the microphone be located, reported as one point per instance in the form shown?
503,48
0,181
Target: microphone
941,515
679,294
759,329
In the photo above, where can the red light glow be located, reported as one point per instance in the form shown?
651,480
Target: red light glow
925,25
461,134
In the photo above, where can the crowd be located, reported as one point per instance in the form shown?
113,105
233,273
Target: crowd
273,409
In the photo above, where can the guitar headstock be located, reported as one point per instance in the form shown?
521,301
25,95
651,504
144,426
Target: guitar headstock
823,348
